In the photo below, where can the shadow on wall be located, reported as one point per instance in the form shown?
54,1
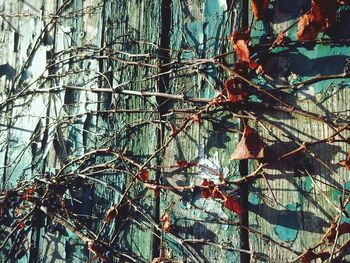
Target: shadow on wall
8,71
291,218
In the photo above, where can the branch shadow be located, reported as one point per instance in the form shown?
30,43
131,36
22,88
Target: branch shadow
295,220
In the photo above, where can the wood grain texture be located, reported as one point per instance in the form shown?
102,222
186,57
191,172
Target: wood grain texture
198,32
70,73
290,206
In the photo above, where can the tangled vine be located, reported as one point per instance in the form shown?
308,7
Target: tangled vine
51,198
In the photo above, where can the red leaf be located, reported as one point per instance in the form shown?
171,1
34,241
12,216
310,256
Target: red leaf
216,193
320,18
212,190
28,192
111,213
239,41
166,222
186,164
251,146
259,8
205,182
343,228
234,92
21,225
346,162
143,175
308,256
182,163
205,193
232,204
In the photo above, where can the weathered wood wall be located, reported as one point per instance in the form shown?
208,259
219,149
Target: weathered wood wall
70,72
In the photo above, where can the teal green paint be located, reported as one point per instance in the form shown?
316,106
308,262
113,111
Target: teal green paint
287,223
306,184
254,199
307,62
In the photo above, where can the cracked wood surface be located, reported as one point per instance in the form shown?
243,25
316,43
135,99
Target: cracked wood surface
49,45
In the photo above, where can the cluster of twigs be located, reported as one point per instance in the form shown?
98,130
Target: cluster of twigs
47,200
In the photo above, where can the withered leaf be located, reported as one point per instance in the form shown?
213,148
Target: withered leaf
166,222
205,193
213,191
259,8
186,164
343,228
143,175
320,18
96,250
234,92
251,146
239,41
280,39
233,204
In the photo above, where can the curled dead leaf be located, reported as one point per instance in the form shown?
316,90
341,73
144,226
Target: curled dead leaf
320,18
213,191
96,250
166,224
233,205
186,164
239,41
259,8
251,146
343,228
235,92
280,39
173,130
143,175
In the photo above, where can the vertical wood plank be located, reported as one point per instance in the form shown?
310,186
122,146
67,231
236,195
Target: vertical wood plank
290,206
198,32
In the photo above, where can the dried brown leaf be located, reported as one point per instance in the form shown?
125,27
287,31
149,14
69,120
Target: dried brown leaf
239,41
320,18
259,8
166,222
343,228
251,146
234,92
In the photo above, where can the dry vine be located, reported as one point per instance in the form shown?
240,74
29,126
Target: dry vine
49,199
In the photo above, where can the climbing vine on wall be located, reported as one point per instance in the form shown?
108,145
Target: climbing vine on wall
48,199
